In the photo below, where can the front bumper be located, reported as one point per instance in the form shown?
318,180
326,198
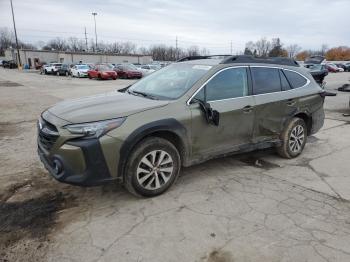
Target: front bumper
91,170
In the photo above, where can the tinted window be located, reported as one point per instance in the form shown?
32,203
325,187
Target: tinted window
295,79
229,83
266,80
284,82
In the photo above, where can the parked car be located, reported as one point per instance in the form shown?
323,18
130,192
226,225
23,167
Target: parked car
80,70
181,115
339,65
9,64
52,68
347,67
128,71
318,72
102,72
332,68
64,70
147,69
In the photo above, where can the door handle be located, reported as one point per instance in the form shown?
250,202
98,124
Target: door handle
248,109
291,102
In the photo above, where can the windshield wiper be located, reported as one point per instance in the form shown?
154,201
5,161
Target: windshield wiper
142,94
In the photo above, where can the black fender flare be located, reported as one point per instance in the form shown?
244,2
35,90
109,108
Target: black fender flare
166,125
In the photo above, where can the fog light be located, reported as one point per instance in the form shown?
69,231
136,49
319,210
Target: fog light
57,167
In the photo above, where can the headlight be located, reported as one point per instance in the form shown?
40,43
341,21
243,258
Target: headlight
95,129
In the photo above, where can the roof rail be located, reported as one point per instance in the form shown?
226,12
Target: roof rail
197,57
258,60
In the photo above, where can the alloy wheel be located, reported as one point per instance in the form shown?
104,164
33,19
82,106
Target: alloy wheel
155,169
296,139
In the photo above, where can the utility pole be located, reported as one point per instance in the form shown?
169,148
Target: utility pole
86,43
231,47
95,14
14,27
176,50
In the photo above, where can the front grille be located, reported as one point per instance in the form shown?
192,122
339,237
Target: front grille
47,134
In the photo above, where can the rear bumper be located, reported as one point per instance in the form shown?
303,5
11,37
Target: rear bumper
317,120
92,169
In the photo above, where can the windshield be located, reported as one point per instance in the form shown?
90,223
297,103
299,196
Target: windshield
315,67
103,68
131,67
82,67
171,82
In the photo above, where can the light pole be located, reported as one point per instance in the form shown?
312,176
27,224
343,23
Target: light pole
95,14
14,27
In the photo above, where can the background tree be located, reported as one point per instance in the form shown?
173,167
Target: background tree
340,53
7,39
293,50
301,56
277,49
57,43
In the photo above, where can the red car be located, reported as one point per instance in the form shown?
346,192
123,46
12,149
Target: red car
102,72
332,68
128,71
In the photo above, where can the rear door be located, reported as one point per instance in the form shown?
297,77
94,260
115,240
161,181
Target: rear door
228,92
269,113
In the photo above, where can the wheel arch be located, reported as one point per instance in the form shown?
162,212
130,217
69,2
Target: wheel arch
307,119
169,129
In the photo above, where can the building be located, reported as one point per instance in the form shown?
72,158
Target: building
34,57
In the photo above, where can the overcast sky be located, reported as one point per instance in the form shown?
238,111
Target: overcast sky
211,24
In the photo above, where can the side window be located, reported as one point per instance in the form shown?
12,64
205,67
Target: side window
229,83
265,80
284,82
200,95
295,79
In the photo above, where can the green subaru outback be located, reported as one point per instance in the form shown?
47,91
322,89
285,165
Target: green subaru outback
181,115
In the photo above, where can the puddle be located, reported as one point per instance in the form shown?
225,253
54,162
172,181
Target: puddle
257,162
219,256
32,218
9,84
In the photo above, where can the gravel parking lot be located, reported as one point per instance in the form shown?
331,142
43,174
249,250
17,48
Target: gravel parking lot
250,207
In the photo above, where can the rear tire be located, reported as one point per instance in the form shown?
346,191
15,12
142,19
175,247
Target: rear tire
294,138
153,166
99,77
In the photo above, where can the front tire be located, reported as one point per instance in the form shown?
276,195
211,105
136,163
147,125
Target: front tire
294,138
153,166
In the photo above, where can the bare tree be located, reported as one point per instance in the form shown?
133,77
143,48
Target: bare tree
58,43
324,49
263,47
7,39
75,44
293,50
193,51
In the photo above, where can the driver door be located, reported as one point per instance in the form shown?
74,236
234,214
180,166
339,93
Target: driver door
227,92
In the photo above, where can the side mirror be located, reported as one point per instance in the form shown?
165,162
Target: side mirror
212,116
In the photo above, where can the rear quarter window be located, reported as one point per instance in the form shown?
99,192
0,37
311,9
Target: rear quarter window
265,80
295,79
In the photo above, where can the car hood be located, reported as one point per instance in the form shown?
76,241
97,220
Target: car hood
103,106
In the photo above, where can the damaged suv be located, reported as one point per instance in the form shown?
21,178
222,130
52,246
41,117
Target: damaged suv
181,115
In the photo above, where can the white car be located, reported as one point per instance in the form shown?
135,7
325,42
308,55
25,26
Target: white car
148,69
52,68
80,70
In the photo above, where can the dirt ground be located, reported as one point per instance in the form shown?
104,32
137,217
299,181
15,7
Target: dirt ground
251,207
